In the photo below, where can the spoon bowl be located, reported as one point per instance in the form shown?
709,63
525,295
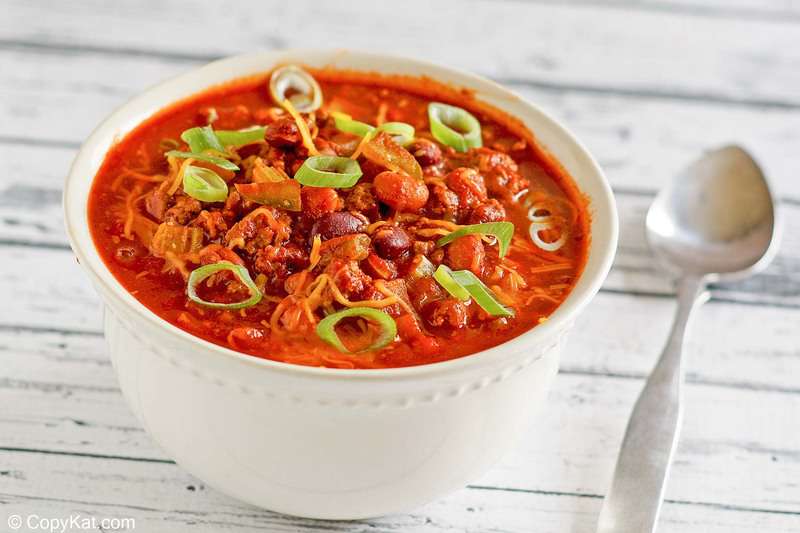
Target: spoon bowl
716,219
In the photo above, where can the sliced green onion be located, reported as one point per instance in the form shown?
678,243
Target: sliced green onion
201,274
502,230
202,139
284,194
345,123
307,95
554,246
454,126
401,132
237,138
444,276
204,184
482,295
220,162
328,171
327,332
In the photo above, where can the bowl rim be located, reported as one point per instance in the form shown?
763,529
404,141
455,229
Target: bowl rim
106,134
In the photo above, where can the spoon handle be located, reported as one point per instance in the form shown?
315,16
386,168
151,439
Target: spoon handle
634,500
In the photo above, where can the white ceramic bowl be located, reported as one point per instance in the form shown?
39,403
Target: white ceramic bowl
318,442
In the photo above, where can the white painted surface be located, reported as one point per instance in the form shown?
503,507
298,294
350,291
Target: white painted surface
647,85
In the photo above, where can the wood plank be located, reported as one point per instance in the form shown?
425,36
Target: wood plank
729,439
722,64
641,142
44,88
30,194
49,290
162,498
732,345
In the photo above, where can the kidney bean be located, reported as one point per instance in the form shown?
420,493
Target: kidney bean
400,191
391,242
337,224
426,152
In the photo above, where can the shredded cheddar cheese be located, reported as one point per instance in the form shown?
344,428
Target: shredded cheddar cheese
302,126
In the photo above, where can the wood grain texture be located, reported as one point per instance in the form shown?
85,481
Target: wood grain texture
501,39
569,450
641,142
646,84
162,498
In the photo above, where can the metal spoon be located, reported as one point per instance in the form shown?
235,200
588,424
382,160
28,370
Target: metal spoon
715,222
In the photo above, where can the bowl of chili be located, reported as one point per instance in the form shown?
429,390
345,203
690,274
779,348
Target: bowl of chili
337,283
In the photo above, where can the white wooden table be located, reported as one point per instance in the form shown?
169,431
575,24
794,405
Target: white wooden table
647,84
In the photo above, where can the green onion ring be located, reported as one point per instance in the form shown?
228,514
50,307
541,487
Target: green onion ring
202,139
204,184
201,274
401,132
444,276
482,295
554,246
309,94
327,332
502,230
237,138
533,217
220,162
345,123
328,171
446,119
